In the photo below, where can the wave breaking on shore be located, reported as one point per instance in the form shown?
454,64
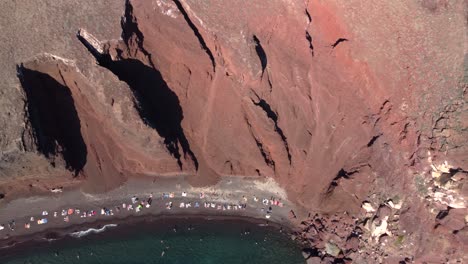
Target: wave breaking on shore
91,231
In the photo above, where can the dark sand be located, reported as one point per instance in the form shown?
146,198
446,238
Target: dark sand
230,190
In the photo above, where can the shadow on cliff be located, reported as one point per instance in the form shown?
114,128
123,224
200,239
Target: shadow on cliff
156,103
53,118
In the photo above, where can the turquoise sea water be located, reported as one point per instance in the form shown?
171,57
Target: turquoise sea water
168,241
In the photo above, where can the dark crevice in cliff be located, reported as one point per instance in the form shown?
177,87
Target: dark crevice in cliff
373,139
196,32
374,119
311,45
338,41
453,171
442,214
260,53
231,167
342,174
404,132
272,115
157,104
130,27
447,176
270,84
266,157
264,152
53,118
309,17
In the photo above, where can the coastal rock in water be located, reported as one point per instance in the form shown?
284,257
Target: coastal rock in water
309,252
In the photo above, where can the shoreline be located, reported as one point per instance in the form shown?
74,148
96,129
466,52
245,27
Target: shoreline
15,244
229,192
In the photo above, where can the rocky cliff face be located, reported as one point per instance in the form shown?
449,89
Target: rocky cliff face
341,102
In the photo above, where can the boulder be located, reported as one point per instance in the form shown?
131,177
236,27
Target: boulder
314,260
454,220
305,254
352,243
332,249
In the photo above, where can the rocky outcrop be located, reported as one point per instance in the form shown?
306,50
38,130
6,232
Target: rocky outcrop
343,106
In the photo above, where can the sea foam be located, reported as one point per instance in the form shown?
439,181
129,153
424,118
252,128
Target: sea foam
91,231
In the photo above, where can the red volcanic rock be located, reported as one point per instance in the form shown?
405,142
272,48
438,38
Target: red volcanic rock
352,244
314,260
290,91
339,101
91,146
454,220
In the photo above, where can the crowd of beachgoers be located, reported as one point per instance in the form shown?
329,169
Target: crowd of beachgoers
138,204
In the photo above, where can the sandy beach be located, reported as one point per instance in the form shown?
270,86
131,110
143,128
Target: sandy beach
232,197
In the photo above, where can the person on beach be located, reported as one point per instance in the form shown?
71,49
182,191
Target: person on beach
138,208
